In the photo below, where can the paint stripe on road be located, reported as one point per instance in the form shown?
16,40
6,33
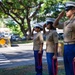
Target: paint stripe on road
4,60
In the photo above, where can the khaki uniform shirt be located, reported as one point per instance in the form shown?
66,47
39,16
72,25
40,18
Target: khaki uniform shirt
38,39
51,39
69,30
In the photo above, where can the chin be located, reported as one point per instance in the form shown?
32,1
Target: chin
68,16
47,28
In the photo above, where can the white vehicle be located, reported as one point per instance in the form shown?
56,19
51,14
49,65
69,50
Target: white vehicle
5,37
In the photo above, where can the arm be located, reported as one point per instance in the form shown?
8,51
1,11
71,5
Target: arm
41,48
44,31
56,49
58,18
41,43
55,37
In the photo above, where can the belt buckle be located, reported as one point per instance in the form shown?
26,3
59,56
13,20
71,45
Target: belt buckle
66,43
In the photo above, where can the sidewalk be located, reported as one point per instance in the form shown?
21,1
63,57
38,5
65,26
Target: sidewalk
13,57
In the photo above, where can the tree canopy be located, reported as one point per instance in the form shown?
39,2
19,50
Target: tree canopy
23,11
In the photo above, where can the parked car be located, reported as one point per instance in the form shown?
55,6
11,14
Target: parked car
15,38
23,38
1,35
60,36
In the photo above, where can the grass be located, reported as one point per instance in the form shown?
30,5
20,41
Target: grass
21,42
29,70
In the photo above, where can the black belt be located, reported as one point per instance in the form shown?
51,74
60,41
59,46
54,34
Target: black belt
67,43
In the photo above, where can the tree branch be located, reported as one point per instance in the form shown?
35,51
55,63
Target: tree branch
5,10
20,1
14,19
36,10
15,14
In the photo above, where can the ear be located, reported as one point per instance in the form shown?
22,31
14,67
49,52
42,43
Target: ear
73,11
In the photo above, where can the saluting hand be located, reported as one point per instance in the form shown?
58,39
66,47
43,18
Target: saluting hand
44,25
61,14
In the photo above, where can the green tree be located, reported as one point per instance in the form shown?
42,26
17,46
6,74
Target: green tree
51,8
13,26
20,11
23,11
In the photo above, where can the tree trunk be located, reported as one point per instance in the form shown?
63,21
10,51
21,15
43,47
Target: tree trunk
23,30
29,26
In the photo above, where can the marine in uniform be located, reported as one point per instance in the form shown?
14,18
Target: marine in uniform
38,48
51,43
69,35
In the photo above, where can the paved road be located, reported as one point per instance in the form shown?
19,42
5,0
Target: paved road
18,55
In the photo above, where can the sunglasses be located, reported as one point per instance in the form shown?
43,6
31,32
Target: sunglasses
68,8
38,28
49,23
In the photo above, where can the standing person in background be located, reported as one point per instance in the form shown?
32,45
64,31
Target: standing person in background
38,48
51,44
69,35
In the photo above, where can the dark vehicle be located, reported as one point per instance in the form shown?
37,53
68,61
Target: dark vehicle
23,38
60,36
15,37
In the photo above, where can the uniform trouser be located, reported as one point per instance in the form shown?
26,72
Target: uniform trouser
69,54
49,62
38,62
